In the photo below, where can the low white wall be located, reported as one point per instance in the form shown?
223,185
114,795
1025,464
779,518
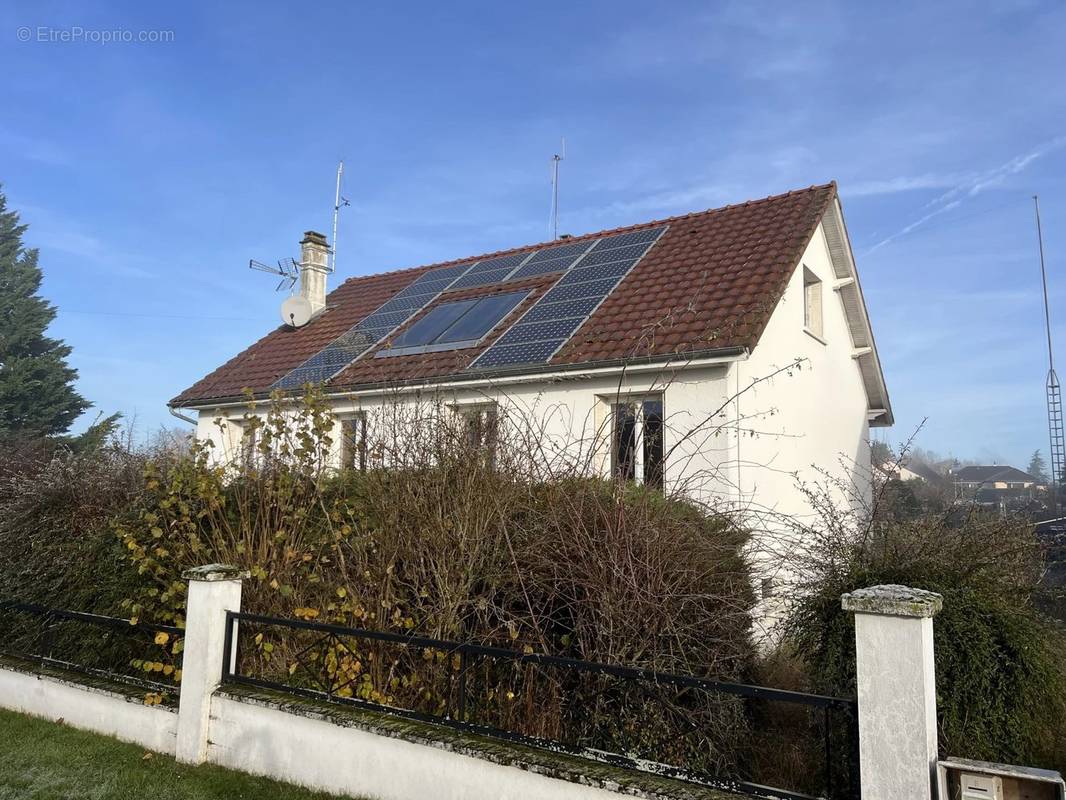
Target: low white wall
97,710
338,759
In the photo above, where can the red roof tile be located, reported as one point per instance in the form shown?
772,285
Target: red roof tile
710,282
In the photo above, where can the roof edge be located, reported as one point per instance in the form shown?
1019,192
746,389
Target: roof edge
857,313
670,361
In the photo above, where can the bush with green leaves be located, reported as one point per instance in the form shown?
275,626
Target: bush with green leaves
1000,664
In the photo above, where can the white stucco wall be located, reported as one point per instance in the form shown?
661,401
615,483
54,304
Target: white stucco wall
572,414
153,727
321,755
808,420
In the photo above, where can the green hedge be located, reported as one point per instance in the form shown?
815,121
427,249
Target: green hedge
1000,663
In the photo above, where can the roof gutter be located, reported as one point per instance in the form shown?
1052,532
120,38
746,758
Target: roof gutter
175,413
547,372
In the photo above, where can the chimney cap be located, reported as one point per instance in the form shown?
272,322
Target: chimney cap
314,237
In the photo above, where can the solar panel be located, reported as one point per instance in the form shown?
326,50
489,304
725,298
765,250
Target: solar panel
350,345
500,262
613,270
546,327
502,355
603,255
577,290
539,331
593,268
481,278
645,236
570,308
562,251
552,259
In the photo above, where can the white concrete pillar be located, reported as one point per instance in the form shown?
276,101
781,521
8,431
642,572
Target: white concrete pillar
213,590
896,690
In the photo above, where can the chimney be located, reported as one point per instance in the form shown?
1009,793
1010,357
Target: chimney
314,266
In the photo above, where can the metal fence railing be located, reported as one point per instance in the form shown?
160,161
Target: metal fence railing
143,655
733,736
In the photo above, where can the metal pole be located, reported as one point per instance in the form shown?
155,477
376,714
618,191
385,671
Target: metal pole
336,214
1043,279
1054,391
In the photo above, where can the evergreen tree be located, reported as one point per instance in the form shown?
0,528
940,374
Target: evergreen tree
1037,467
37,395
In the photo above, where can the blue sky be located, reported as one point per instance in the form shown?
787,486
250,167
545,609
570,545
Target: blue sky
150,172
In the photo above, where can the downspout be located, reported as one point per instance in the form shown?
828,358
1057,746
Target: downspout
181,416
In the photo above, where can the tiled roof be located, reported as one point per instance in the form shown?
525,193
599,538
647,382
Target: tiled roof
711,282
992,473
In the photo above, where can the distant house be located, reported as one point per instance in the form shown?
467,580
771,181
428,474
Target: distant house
912,469
997,485
726,354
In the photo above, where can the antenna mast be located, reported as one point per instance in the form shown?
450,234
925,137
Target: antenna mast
555,190
1054,391
338,201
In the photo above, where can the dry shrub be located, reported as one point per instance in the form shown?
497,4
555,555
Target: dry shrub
56,546
442,538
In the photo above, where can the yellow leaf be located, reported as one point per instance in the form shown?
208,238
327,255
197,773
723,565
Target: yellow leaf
177,676
162,638
342,592
259,638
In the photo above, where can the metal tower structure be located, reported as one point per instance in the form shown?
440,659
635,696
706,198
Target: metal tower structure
1054,390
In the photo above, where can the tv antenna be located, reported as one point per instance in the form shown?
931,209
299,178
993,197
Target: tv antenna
1054,390
287,268
556,159
338,202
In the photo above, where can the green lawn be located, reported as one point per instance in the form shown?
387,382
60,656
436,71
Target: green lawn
42,760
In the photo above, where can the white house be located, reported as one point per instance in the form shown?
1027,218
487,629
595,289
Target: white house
725,353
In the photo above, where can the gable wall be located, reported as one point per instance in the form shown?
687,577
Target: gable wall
809,419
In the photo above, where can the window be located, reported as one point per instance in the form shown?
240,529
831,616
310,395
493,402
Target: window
812,303
353,442
637,441
451,326
481,427
249,443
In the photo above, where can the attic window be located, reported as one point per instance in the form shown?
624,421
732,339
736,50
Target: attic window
812,303
452,326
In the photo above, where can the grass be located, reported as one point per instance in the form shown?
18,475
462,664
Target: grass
41,760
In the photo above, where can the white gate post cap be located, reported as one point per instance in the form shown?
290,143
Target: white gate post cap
893,600
215,572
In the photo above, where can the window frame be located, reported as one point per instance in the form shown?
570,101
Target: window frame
638,470
486,419
813,304
354,458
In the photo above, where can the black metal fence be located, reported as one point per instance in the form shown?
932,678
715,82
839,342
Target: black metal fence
142,655
727,735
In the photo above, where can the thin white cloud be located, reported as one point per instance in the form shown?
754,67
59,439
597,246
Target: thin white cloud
907,183
973,186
